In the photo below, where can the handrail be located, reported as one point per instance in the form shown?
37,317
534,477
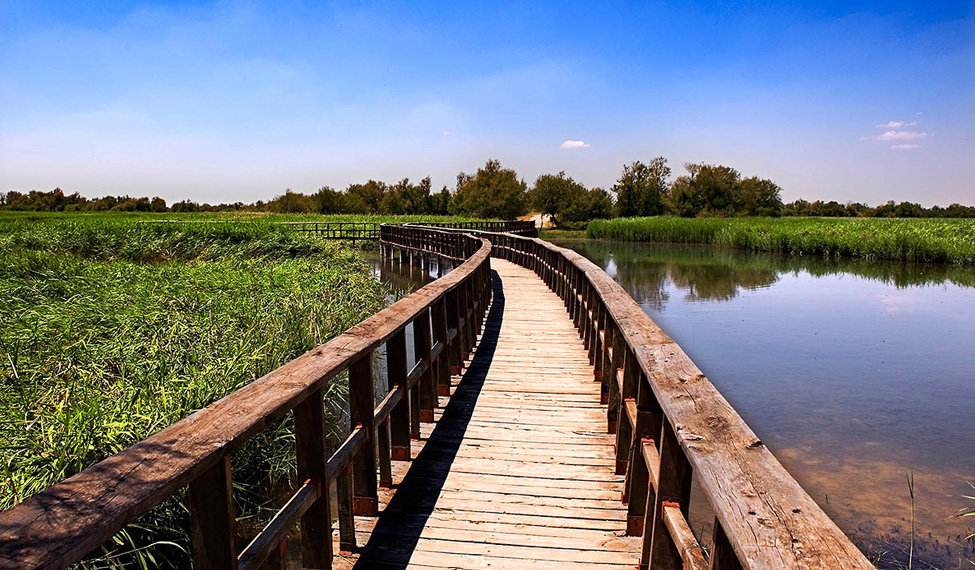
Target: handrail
671,422
370,230
59,526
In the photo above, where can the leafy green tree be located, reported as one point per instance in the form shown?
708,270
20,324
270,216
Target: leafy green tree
439,204
292,203
560,197
759,197
591,205
406,198
329,201
493,192
707,190
641,189
365,198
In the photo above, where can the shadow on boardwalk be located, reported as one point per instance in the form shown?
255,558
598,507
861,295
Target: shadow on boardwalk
399,526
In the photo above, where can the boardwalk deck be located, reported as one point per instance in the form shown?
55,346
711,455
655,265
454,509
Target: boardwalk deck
518,470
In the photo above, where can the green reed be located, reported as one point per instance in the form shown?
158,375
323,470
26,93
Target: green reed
921,240
112,330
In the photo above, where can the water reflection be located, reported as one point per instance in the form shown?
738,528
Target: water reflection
719,274
855,373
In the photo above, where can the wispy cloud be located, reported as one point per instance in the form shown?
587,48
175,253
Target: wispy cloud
896,135
897,125
447,133
907,146
574,144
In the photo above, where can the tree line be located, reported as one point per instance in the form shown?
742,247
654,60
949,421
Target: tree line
643,189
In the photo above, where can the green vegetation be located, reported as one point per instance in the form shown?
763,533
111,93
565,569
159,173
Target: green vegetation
925,240
567,202
112,330
492,192
643,189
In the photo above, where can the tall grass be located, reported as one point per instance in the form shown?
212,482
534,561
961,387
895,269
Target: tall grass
923,240
112,330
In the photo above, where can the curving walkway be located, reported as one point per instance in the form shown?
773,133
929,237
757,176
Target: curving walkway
519,470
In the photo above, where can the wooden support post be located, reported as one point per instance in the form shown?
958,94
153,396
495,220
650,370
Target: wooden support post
399,418
610,379
723,556
312,455
212,518
625,430
343,491
462,333
442,365
383,451
362,401
421,348
637,487
453,320
674,487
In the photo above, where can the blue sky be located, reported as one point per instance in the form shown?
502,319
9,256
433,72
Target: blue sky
227,101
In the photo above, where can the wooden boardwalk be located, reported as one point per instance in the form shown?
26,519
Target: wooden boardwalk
518,471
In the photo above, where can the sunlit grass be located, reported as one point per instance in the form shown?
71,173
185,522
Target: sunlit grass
113,330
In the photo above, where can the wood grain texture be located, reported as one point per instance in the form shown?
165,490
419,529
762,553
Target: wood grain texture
769,520
517,472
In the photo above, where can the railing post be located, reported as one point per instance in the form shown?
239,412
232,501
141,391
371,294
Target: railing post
312,456
421,348
362,401
442,375
624,430
674,486
613,363
649,422
723,556
343,492
454,350
212,518
399,418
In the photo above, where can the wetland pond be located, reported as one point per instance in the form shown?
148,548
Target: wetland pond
855,373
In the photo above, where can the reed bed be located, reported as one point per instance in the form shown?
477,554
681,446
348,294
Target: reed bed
904,239
112,330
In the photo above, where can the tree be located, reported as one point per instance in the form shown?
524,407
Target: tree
708,190
329,201
641,189
759,197
292,203
493,192
365,198
439,204
557,195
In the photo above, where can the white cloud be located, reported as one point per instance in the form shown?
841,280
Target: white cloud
896,135
574,144
897,125
447,133
907,146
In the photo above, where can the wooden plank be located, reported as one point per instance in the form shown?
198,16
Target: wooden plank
519,468
738,474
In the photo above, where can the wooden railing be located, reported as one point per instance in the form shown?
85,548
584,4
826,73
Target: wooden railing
519,227
670,422
351,231
60,525
355,231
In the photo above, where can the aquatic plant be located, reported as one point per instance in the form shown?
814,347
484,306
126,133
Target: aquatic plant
923,240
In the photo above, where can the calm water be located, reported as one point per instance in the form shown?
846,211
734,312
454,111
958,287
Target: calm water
854,374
